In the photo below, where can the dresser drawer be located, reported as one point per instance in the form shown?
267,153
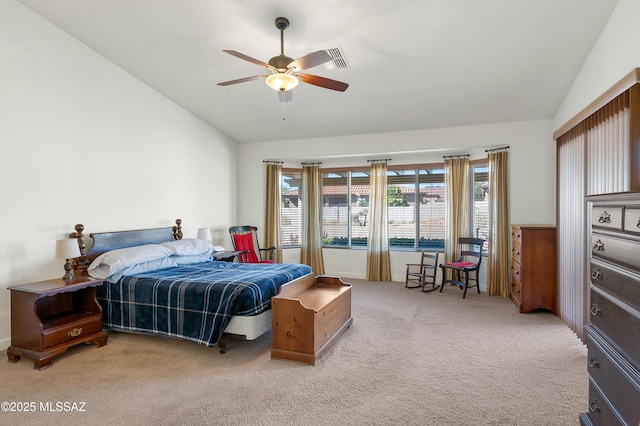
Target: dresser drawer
83,326
607,217
516,252
632,220
622,251
516,236
617,321
600,412
516,284
623,284
614,377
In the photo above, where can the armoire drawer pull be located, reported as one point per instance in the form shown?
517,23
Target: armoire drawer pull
596,273
594,406
595,310
598,246
593,362
605,217
638,225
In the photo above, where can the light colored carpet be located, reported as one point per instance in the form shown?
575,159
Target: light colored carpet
409,358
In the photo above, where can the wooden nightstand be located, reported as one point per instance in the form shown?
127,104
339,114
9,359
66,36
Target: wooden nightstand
48,317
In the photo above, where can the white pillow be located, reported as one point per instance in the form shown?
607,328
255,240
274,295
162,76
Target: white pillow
138,268
188,247
194,258
115,261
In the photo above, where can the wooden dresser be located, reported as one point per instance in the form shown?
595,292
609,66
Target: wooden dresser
613,337
533,267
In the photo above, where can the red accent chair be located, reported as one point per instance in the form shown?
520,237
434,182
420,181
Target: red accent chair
245,241
469,261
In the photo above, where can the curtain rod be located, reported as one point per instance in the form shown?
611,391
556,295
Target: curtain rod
380,160
456,156
272,162
311,163
502,148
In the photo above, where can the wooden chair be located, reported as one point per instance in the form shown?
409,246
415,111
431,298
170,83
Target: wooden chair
245,241
469,261
423,273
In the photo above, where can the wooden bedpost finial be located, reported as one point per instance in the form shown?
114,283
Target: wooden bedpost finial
83,258
177,230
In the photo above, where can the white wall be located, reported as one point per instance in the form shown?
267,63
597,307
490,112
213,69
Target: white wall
613,56
531,173
84,142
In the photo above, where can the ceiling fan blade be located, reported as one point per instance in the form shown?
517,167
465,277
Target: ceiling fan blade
242,80
311,60
249,58
327,83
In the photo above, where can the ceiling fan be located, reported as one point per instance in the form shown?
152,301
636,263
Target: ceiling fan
284,71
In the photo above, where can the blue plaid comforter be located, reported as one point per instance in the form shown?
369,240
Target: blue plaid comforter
193,302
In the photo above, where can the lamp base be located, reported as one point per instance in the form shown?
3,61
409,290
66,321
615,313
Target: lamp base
68,275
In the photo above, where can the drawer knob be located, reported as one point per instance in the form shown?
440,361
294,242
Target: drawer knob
638,224
605,217
75,332
595,310
598,246
596,273
594,406
593,362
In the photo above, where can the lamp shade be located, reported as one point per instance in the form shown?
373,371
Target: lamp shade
282,81
67,248
204,234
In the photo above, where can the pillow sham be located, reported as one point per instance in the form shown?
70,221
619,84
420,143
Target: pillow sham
188,246
113,261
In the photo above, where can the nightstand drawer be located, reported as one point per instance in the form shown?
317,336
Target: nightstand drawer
84,325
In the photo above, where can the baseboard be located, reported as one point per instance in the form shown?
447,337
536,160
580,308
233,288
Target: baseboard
5,343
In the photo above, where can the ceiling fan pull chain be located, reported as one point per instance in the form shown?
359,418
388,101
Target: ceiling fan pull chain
284,117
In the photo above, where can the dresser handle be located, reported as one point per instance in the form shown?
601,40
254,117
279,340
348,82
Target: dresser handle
594,406
595,310
75,332
593,362
638,225
596,273
598,246
605,217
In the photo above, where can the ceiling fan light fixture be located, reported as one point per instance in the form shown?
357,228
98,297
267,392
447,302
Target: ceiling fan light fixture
281,81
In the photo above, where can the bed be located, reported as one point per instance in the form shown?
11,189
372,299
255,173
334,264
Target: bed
157,282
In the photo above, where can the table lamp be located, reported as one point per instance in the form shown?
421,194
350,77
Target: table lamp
67,249
204,234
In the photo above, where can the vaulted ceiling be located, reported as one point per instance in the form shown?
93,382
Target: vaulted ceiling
411,64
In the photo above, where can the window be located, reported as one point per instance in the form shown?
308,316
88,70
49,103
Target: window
345,208
290,208
416,208
479,202
416,198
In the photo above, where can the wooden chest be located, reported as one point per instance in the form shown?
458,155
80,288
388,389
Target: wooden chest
308,316
533,267
614,333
